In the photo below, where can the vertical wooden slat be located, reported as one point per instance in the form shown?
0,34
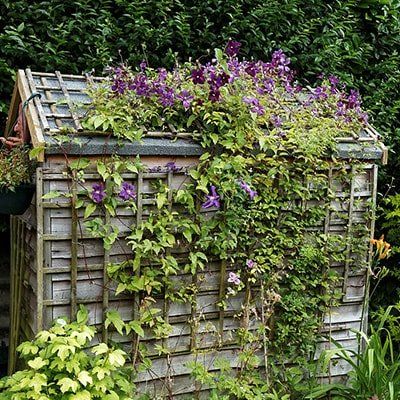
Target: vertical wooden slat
136,297
13,284
19,280
221,312
74,246
106,292
64,89
166,306
193,315
36,100
39,248
364,315
349,235
326,233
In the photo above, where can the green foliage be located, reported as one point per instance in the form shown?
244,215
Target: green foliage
62,365
15,167
375,372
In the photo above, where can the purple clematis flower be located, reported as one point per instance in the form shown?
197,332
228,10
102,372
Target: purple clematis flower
232,48
276,120
140,85
172,167
119,86
214,95
197,76
250,264
98,192
212,199
143,65
167,96
234,278
186,98
252,193
128,192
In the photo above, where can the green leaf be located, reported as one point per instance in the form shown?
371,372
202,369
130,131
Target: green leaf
35,152
101,348
137,328
89,210
114,318
161,200
52,195
84,395
102,170
117,358
37,363
84,378
190,120
79,164
67,385
82,315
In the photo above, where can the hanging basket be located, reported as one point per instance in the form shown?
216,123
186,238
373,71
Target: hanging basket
16,202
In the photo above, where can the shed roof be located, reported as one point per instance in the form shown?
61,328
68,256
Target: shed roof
57,108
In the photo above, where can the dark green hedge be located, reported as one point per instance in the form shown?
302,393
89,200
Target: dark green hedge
359,40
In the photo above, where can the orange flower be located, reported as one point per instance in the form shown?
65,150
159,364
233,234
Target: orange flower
382,248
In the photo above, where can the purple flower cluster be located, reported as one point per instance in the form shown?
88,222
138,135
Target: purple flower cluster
246,187
140,85
172,167
212,200
276,121
127,192
261,84
119,85
216,81
255,105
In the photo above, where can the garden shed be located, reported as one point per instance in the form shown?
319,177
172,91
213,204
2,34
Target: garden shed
56,264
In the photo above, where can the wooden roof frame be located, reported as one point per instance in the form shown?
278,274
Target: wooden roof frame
59,91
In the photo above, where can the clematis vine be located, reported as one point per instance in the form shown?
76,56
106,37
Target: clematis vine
98,192
212,199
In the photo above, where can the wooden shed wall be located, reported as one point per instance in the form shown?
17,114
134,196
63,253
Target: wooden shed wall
47,288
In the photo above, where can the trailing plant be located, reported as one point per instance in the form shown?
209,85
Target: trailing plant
62,364
255,204
16,168
375,373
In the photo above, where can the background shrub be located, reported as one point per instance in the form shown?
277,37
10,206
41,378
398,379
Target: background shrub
358,40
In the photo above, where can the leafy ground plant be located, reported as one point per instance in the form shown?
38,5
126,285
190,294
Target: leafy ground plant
61,366
375,372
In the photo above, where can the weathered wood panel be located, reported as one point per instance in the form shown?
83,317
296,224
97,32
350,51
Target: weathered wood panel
351,204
